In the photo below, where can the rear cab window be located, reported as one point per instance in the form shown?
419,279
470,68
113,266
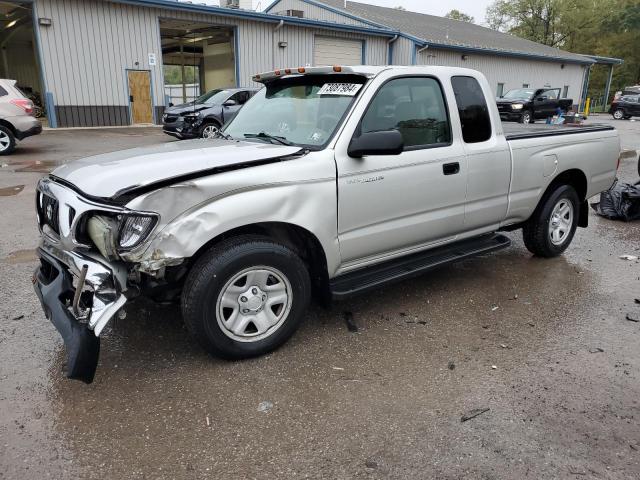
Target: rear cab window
472,109
3,92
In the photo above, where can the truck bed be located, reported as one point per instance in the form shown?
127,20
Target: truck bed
515,131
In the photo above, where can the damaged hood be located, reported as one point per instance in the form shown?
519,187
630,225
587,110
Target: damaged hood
110,174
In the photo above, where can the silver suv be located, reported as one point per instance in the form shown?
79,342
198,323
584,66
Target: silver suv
16,117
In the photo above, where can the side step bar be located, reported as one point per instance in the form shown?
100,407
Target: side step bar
412,265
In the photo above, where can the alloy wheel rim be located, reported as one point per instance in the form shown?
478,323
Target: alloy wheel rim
526,117
210,131
5,141
561,222
617,114
254,304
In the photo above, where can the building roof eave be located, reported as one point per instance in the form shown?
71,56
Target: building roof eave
259,16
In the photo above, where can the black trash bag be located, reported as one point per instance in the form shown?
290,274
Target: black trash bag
620,202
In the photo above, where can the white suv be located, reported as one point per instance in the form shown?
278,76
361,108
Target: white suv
16,117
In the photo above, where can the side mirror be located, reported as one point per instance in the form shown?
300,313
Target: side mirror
170,104
229,103
384,142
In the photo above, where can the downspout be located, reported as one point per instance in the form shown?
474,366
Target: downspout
279,26
418,52
390,49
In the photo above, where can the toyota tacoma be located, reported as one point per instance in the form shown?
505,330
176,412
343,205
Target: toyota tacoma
329,182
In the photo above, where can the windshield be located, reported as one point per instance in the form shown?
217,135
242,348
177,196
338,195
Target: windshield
520,94
213,96
303,111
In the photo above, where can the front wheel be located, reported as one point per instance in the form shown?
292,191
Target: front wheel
526,117
209,130
7,141
618,114
552,226
245,297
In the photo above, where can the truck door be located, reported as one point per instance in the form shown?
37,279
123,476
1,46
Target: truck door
488,157
547,103
391,203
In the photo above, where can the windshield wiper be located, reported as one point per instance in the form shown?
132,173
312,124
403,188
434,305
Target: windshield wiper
268,136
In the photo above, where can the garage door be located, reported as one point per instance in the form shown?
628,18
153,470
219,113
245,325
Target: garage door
336,51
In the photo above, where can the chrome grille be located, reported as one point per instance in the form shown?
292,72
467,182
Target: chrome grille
48,212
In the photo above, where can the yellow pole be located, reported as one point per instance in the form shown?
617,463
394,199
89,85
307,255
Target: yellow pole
586,107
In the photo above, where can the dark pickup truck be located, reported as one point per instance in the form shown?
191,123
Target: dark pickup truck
526,104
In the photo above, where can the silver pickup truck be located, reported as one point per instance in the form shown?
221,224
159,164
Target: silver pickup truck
330,181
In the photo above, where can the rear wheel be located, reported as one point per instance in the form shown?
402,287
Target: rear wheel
245,297
618,114
552,226
7,141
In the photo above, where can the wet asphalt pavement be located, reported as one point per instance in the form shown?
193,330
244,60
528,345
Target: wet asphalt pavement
542,344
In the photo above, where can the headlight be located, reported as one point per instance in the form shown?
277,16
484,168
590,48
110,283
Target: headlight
192,115
112,234
517,106
134,229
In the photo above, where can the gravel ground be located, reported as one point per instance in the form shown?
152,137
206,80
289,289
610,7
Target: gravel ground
542,344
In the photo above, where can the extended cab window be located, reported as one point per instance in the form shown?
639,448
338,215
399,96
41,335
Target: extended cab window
473,110
3,92
415,106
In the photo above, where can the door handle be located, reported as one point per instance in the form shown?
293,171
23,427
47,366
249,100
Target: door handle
451,168
131,98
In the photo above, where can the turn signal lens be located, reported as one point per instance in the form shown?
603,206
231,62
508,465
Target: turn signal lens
301,70
337,68
287,71
134,229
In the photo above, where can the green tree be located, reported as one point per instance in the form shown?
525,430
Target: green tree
458,15
610,28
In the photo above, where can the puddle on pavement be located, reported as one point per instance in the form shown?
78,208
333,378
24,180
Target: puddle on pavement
39,166
10,191
20,256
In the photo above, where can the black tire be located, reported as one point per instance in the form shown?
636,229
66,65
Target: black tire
618,114
212,272
208,123
7,134
527,117
536,234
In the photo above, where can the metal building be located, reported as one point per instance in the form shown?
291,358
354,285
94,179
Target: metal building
120,62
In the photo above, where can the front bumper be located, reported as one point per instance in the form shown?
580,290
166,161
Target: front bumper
511,116
101,297
181,129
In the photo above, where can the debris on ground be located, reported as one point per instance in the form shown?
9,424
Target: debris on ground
596,350
473,414
637,300
633,318
371,464
265,406
451,365
620,202
494,308
351,325
494,367
19,317
628,257
337,368
503,345
208,423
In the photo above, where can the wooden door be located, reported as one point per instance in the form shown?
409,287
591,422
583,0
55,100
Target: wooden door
140,96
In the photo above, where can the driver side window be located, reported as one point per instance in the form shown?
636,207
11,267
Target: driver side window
415,107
